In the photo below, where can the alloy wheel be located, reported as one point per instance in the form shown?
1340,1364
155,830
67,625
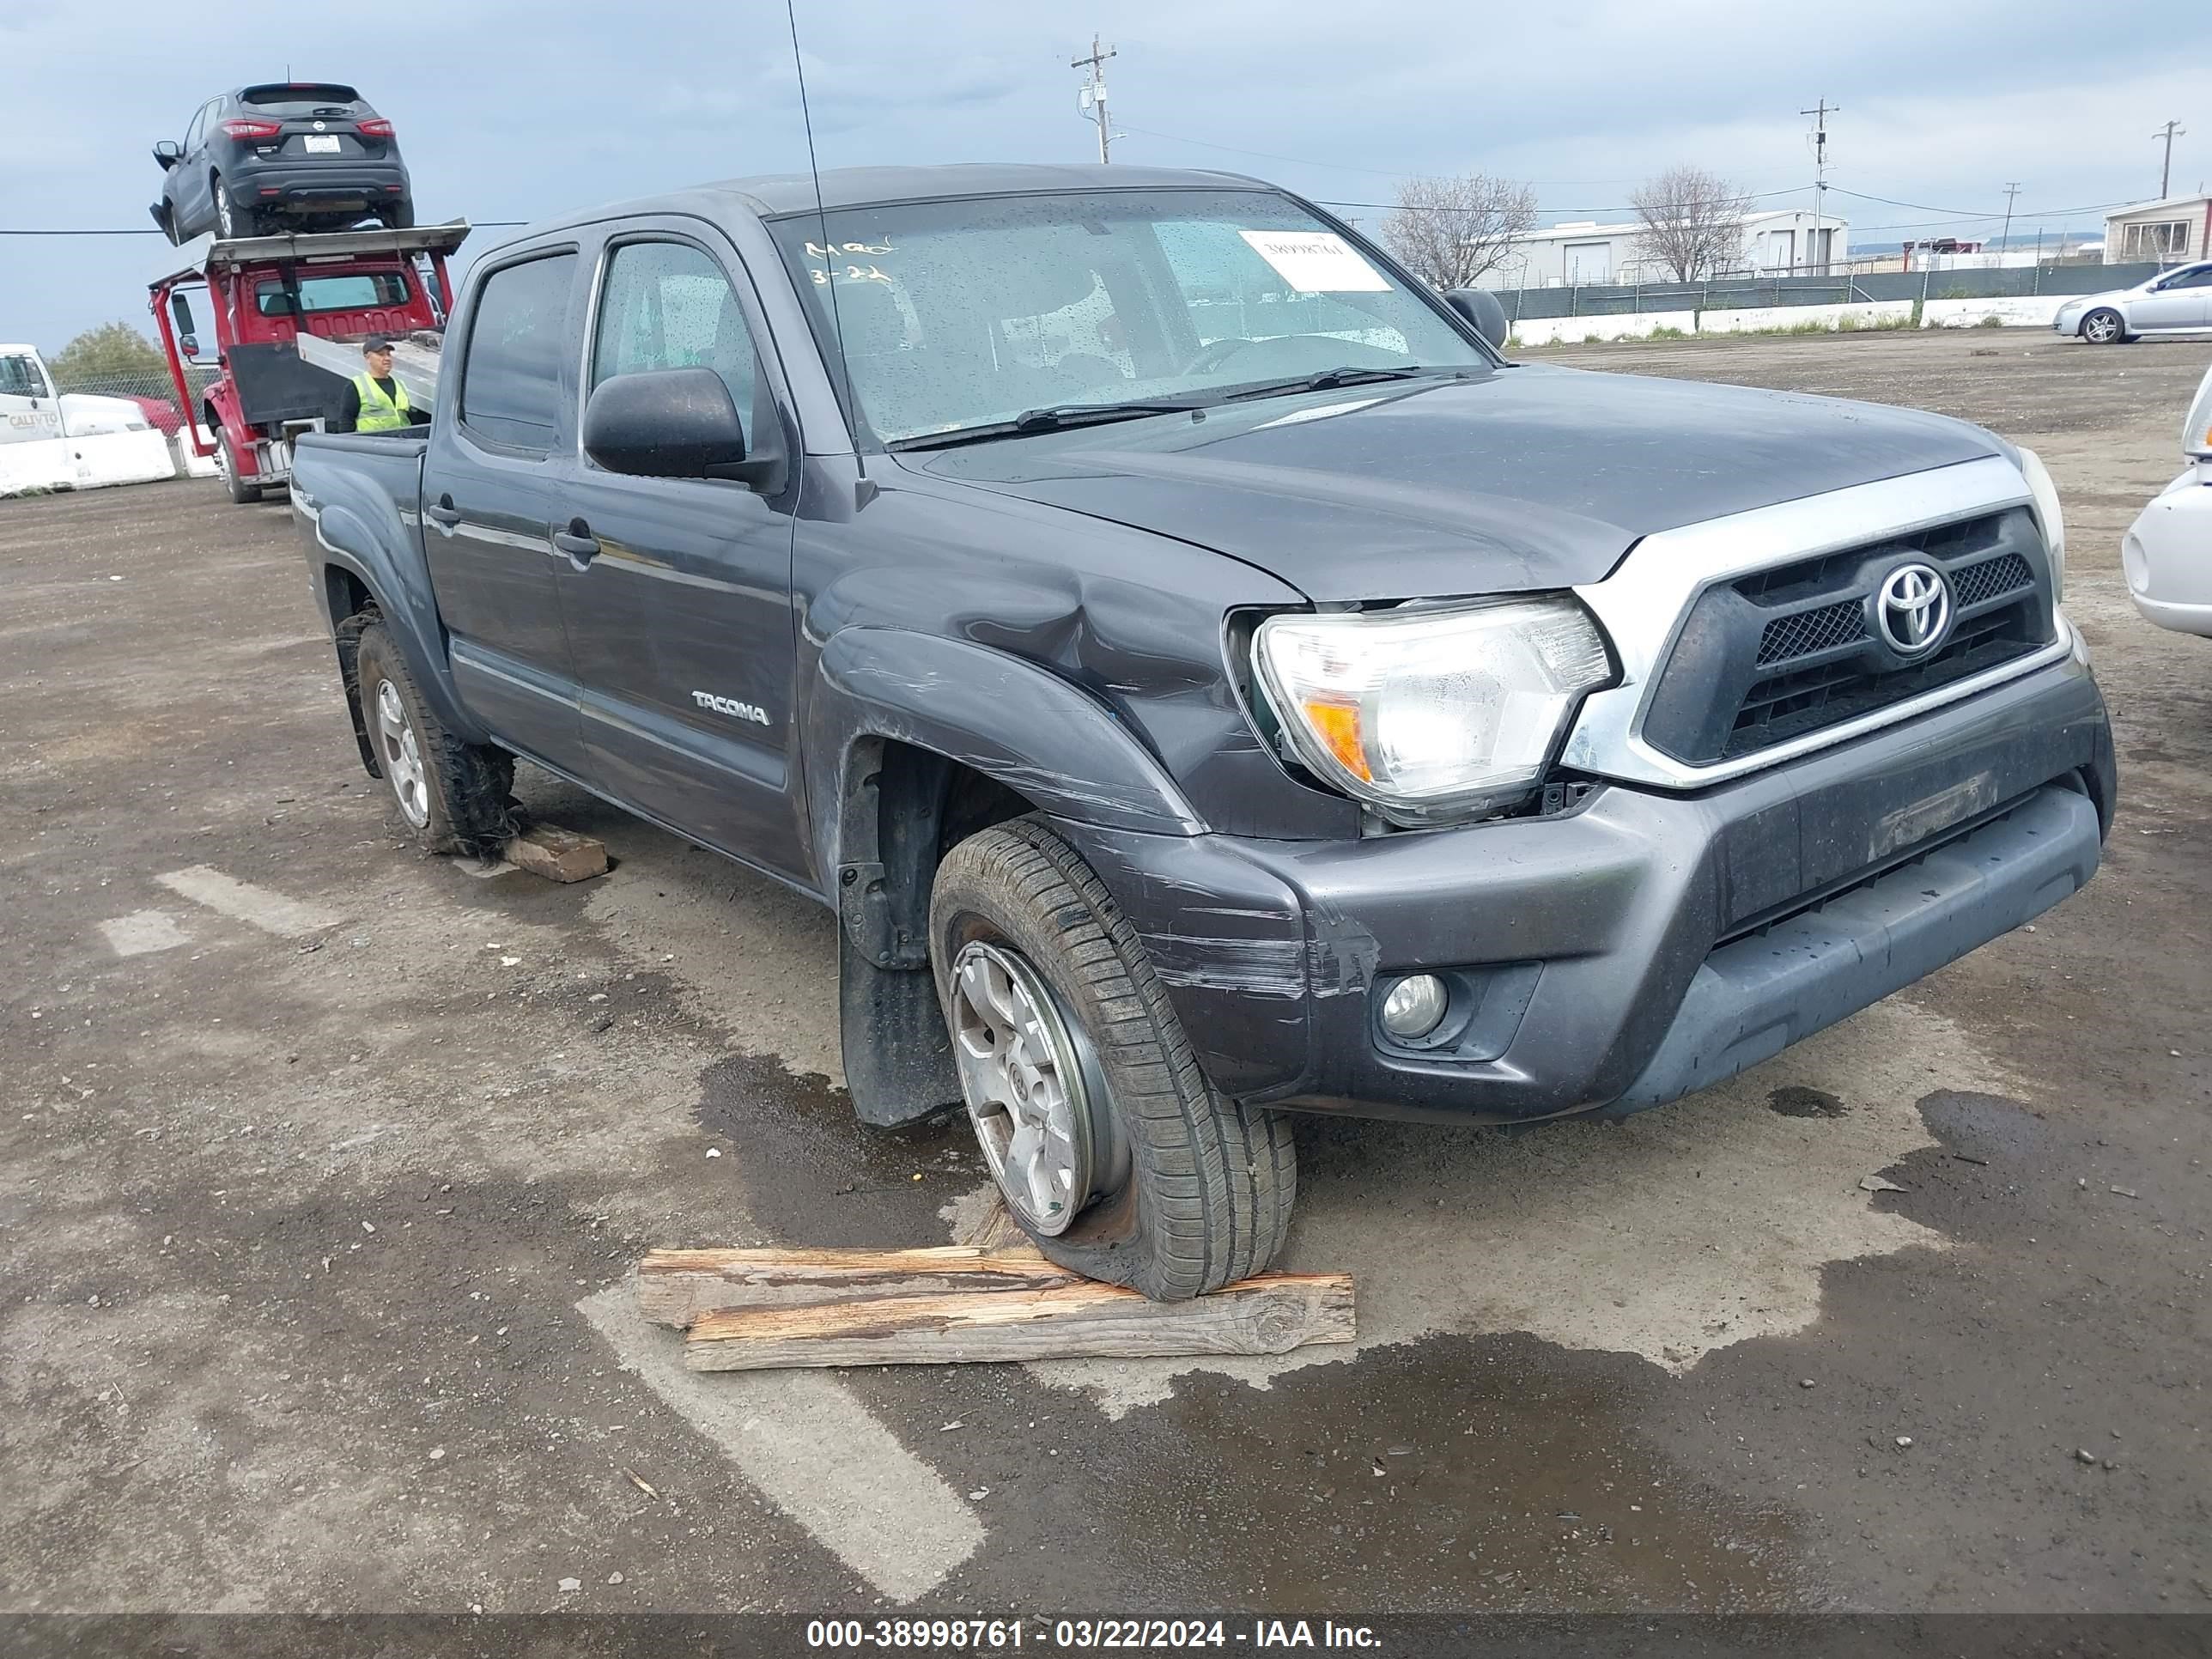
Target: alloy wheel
1028,1081
401,756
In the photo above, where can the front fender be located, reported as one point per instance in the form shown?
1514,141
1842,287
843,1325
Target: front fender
1008,719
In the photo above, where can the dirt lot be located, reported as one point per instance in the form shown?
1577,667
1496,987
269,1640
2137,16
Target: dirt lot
319,1175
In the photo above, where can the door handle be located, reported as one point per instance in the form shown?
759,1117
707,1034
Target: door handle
577,542
444,511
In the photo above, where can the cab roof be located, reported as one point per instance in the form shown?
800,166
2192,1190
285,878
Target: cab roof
772,196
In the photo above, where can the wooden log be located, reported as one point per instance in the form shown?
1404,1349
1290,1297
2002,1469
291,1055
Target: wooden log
1272,1313
675,1287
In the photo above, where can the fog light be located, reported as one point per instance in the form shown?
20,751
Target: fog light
1414,1006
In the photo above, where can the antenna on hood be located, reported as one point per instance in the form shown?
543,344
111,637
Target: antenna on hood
822,219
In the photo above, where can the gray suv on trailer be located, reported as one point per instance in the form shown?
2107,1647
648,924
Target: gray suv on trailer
1207,680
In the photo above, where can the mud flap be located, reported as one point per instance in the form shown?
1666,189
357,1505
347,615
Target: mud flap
898,1055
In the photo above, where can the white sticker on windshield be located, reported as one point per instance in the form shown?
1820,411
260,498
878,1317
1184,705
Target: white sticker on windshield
1316,261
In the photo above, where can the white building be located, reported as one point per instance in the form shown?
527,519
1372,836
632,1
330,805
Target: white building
2163,233
1785,242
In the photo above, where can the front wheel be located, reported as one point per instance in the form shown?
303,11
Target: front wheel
2104,327
1111,1149
242,493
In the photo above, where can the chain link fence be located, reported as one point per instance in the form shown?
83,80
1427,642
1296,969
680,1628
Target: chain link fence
152,390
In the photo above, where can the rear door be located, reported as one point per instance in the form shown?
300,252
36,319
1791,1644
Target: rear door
678,591
491,488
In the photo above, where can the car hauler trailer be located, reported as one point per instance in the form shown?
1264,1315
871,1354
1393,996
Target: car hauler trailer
280,303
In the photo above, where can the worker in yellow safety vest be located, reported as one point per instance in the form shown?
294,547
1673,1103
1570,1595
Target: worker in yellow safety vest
374,400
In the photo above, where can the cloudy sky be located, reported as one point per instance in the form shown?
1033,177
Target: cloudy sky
510,109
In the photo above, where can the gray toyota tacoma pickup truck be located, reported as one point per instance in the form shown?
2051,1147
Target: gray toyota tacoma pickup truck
1206,680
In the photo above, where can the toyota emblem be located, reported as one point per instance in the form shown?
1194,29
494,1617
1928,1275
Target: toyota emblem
318,127
1913,609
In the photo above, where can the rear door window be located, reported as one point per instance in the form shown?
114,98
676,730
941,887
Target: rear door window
511,377
667,305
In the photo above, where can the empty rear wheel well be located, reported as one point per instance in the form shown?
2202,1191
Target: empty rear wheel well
352,608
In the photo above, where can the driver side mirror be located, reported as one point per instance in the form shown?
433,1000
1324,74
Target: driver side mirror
674,423
181,309
169,153
190,345
1482,308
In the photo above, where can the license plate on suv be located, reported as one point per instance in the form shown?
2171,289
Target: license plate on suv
322,144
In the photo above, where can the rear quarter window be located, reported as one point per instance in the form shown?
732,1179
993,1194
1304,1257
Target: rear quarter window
518,339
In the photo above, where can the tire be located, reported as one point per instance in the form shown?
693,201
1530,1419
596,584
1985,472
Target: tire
166,217
2104,327
226,216
242,494
453,798
1186,1191
401,217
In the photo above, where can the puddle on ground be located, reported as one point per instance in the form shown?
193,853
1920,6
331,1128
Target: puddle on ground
1484,1473
1982,1125
1795,1100
811,1172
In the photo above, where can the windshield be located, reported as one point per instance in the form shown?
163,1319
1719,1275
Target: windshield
964,314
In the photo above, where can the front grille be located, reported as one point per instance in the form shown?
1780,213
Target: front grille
1790,650
1811,631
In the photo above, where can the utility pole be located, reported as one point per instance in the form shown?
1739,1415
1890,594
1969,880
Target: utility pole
2172,129
1093,98
1819,113
2005,240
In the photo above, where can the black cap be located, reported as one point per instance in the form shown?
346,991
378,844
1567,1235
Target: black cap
377,343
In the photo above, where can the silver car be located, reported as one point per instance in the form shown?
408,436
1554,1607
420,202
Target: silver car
2176,301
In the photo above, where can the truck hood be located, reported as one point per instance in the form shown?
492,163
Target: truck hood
1526,477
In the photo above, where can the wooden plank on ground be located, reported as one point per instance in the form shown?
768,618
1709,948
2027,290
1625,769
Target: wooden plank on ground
1271,1313
675,1287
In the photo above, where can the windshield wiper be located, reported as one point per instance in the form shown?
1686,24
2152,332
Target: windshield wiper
1056,417
1345,375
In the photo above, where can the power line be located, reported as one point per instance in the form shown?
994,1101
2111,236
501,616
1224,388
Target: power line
132,230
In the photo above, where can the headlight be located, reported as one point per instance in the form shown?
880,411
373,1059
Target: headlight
2048,513
1435,711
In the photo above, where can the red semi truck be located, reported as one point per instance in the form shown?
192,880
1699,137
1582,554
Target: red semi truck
265,292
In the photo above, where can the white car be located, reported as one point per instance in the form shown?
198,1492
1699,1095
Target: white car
2168,552
2176,301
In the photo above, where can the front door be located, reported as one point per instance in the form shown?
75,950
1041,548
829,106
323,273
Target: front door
490,494
678,591
2178,302
28,409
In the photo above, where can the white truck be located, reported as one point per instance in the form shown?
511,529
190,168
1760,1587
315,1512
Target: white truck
30,409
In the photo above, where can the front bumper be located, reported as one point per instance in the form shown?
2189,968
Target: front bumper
2167,555
1642,945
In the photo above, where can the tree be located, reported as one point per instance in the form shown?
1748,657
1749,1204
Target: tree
111,352
1450,231
1692,222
